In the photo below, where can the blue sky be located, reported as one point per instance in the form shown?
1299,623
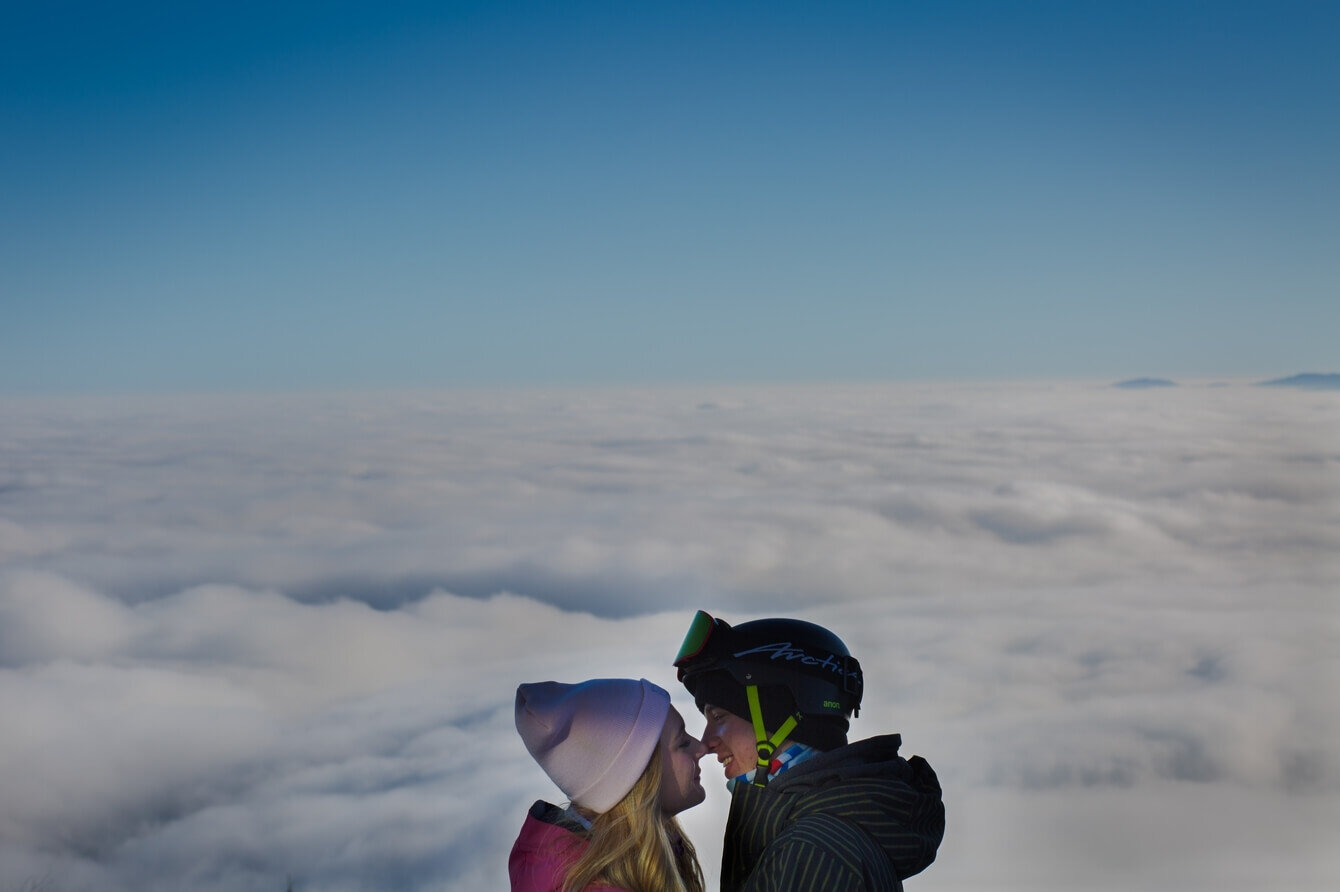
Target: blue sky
242,196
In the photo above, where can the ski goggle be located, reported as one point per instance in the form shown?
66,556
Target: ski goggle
700,630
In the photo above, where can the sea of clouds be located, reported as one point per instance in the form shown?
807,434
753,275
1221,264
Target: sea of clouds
248,641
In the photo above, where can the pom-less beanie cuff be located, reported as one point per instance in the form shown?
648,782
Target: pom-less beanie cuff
593,739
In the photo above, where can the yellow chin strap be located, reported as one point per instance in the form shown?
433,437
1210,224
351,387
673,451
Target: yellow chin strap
767,744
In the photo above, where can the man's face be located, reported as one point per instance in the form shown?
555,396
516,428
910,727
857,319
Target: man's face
731,739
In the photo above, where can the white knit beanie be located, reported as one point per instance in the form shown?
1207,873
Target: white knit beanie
593,739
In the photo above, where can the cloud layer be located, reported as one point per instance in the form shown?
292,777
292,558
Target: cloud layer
243,639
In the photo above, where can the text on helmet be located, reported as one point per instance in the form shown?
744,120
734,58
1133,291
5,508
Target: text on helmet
785,650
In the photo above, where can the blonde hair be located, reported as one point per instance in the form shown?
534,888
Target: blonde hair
635,846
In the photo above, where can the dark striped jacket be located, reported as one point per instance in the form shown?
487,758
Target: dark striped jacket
860,817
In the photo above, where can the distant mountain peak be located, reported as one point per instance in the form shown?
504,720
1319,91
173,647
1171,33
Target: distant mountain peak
1144,383
1307,381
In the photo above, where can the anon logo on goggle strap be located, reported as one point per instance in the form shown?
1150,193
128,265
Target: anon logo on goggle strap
785,650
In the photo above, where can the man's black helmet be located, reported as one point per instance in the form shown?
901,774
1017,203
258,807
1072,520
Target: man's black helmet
811,663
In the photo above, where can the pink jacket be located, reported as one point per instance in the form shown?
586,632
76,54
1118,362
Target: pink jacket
543,851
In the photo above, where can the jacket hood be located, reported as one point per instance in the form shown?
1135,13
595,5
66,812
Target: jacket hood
896,801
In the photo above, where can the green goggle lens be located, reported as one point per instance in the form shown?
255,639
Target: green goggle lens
699,631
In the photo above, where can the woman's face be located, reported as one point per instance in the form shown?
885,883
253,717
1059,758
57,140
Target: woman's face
681,781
